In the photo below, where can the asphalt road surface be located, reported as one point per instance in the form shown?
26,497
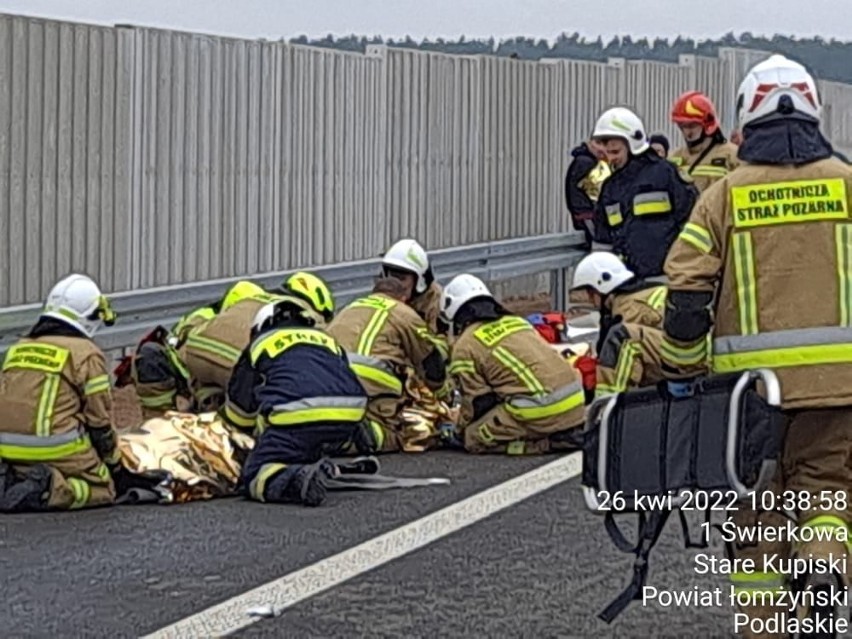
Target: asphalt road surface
543,567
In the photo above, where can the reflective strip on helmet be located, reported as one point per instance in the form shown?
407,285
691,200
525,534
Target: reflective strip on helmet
492,333
98,384
657,299
375,370
461,366
760,586
789,202
33,448
613,214
744,271
710,171
524,373
652,203
560,401
843,245
81,490
213,347
283,339
318,409
697,236
778,349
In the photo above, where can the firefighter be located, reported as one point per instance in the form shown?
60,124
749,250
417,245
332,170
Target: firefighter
583,180
744,270
407,261
57,443
706,156
384,338
660,144
519,396
631,322
157,370
644,203
295,380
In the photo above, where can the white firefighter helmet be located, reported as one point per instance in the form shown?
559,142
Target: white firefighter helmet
408,255
461,289
766,83
620,122
77,300
602,271
263,319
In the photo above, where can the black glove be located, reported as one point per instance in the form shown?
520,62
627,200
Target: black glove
126,480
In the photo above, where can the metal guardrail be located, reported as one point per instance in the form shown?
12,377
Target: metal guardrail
139,311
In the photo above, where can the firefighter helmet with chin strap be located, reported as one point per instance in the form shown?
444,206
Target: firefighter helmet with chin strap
410,257
620,122
76,300
601,271
693,107
778,88
461,290
313,290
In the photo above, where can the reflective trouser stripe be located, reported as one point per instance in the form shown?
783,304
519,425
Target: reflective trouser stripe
375,370
757,588
525,375
378,433
743,255
843,244
82,492
97,384
318,409
777,349
371,332
214,347
257,486
32,448
157,401
697,236
834,527
461,366
558,402
46,402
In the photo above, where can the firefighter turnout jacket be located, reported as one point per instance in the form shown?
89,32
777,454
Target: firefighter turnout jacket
506,362
293,376
641,209
777,240
212,349
56,404
706,163
583,181
382,337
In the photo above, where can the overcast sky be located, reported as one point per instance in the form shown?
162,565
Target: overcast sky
273,19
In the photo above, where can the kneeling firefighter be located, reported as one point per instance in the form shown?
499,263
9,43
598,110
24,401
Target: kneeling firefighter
631,310
519,396
744,273
295,380
57,443
384,338
157,370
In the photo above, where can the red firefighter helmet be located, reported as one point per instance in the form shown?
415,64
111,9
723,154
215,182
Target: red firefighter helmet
695,107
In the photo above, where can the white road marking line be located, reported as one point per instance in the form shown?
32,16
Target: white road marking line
280,594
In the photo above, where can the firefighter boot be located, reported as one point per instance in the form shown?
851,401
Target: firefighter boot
27,494
359,466
304,485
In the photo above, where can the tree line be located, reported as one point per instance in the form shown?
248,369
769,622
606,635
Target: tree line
828,59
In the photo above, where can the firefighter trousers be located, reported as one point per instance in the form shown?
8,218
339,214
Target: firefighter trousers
814,479
630,357
281,451
208,380
157,382
79,481
498,431
386,425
